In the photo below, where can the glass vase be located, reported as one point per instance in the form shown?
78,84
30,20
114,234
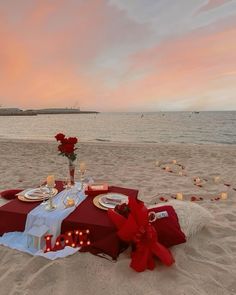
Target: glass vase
72,172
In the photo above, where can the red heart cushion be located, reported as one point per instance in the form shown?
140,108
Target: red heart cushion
10,194
168,229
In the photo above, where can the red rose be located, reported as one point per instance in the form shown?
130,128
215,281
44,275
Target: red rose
64,141
193,199
68,148
60,148
122,209
72,140
60,136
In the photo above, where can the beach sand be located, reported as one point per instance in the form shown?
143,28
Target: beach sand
205,264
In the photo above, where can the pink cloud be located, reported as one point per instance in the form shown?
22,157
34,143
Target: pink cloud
182,67
48,57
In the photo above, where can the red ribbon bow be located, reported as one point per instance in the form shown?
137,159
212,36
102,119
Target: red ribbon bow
137,229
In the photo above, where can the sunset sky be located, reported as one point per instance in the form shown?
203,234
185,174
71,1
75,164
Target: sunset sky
118,55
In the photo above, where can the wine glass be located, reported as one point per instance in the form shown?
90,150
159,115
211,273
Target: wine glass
66,184
82,170
43,191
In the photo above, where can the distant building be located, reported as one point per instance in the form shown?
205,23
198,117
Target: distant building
19,112
64,111
10,110
59,111
16,112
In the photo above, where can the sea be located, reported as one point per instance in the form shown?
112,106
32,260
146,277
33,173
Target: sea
153,127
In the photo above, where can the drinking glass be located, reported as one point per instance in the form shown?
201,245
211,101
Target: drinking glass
43,191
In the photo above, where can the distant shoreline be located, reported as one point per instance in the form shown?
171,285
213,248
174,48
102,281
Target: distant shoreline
53,111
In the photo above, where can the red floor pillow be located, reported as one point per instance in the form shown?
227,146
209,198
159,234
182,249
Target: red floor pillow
10,194
168,229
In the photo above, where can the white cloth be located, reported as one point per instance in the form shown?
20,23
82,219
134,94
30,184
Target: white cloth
18,241
51,219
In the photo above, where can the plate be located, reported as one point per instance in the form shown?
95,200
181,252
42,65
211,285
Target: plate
110,200
97,204
24,199
37,194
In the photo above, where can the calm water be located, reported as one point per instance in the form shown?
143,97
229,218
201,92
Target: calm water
172,127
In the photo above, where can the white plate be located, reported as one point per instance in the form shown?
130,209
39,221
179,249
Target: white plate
110,200
36,193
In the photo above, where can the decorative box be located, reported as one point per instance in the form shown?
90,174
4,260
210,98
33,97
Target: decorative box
35,237
96,189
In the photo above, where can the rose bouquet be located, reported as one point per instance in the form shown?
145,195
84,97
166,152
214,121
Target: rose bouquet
67,148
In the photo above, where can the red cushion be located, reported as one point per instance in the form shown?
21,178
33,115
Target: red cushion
10,194
168,229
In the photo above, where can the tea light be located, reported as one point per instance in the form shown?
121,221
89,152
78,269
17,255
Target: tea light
82,167
216,179
70,202
174,162
197,180
179,196
157,163
224,196
50,181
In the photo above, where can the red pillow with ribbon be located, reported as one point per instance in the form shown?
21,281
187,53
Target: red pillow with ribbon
167,226
133,226
10,194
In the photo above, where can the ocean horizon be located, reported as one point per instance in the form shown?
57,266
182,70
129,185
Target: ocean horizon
204,127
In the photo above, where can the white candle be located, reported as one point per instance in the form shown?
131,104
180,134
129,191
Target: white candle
179,196
82,167
224,196
174,162
180,173
167,168
50,181
157,163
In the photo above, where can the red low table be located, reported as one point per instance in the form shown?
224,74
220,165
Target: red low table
86,216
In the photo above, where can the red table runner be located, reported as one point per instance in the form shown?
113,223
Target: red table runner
86,216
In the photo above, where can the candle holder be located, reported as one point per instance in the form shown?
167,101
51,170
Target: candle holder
82,173
50,206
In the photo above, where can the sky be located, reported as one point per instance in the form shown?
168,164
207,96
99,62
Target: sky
118,55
